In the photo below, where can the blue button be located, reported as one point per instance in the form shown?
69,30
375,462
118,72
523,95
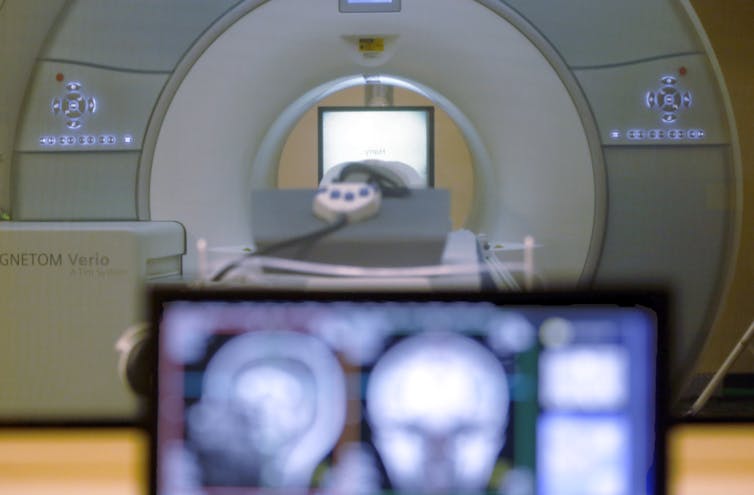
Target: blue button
349,196
335,194
364,191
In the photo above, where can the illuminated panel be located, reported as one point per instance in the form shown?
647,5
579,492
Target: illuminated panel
664,102
77,108
73,108
369,5
668,101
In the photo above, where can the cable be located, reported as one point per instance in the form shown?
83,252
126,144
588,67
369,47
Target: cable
308,238
701,401
350,271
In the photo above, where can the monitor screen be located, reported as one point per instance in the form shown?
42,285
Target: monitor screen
444,394
402,134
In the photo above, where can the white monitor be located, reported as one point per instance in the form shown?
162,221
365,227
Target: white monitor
401,134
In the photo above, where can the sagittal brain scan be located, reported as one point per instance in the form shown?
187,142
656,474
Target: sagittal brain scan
372,397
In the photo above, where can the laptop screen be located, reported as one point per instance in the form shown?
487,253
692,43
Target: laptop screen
264,392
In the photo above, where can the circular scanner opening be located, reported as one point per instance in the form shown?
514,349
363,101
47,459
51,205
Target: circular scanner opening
453,165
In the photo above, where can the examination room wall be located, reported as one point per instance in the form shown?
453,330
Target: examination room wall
730,27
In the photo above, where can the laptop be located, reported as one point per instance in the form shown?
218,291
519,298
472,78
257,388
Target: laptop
266,392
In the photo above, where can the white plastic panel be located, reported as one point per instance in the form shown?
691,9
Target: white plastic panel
75,186
588,33
74,107
525,116
670,101
669,224
69,291
20,43
142,35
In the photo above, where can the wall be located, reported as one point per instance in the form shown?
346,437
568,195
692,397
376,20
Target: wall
730,28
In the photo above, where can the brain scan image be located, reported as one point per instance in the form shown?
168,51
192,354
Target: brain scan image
407,398
438,408
272,406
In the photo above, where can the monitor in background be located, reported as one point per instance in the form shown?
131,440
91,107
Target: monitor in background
435,394
398,134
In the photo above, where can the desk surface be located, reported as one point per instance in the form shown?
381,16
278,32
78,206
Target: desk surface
73,461
703,459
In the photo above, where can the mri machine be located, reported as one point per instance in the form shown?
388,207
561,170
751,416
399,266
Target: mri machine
129,130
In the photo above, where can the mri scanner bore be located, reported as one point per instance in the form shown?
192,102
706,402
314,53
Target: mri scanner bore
447,396
135,129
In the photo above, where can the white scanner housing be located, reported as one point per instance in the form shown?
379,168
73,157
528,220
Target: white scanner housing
129,130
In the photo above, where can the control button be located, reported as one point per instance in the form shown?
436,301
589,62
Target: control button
671,99
669,118
349,196
668,100
74,105
335,194
668,80
635,134
695,133
364,191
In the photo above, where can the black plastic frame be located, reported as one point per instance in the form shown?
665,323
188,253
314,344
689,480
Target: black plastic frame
655,301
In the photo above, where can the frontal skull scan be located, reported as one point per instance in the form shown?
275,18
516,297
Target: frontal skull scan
272,407
438,408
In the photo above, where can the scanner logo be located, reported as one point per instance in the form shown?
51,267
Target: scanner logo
31,258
